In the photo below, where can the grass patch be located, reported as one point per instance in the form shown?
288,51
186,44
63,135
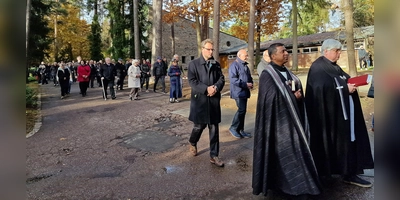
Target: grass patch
31,111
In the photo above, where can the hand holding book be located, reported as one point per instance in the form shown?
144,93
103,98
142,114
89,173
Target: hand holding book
360,80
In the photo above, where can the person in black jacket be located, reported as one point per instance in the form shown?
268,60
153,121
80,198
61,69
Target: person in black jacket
206,80
145,76
93,73
159,72
63,75
121,73
108,73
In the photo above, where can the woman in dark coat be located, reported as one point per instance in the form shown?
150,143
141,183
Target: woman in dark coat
175,90
63,75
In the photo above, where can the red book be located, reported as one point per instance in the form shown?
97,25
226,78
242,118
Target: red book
360,80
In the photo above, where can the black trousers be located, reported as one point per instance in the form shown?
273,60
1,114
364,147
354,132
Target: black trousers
214,137
83,86
120,82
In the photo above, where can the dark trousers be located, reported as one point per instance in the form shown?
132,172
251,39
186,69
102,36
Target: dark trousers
110,84
214,137
120,82
83,86
99,81
92,81
143,80
64,87
162,79
238,118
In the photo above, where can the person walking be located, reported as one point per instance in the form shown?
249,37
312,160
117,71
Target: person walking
159,72
339,139
121,73
108,73
63,76
134,79
145,76
206,81
241,83
282,159
93,73
174,73
83,77
263,63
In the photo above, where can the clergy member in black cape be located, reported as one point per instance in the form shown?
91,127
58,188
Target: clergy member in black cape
282,159
339,139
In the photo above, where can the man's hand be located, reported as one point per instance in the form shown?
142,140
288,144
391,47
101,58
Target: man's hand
250,86
352,88
211,90
297,94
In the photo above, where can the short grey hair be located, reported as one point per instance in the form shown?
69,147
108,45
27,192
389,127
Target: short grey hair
238,53
329,44
135,61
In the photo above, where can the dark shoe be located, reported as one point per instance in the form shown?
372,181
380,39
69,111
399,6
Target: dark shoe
113,98
154,91
217,161
244,134
130,98
355,180
234,133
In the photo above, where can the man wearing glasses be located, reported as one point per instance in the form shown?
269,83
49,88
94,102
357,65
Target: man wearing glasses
206,81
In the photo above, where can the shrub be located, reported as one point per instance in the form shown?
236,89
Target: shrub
31,79
31,97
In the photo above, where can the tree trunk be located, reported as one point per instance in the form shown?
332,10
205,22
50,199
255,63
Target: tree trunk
205,23
28,12
258,33
55,39
136,29
251,36
294,38
348,18
198,33
173,38
157,30
216,29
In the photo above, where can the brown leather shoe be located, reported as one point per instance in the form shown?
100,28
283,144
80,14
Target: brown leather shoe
193,150
217,161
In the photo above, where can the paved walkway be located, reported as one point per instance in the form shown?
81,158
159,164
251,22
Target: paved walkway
88,148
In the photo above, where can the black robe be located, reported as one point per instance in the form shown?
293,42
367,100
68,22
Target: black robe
281,158
330,141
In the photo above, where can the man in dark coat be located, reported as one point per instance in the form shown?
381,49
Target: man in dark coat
206,80
121,73
282,159
159,72
108,73
339,139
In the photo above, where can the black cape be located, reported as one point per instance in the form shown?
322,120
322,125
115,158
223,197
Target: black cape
330,141
281,158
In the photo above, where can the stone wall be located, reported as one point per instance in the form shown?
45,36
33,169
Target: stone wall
186,41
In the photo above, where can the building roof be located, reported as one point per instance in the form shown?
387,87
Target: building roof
310,40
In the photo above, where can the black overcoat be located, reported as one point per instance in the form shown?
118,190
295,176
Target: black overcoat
330,140
205,109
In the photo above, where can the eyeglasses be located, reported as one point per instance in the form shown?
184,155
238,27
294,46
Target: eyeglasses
208,49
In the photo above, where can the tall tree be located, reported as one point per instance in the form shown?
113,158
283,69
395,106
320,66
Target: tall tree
348,12
117,28
95,39
173,8
216,24
27,14
136,28
157,30
38,40
251,35
294,38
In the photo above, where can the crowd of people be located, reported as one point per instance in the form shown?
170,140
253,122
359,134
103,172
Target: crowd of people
110,76
300,139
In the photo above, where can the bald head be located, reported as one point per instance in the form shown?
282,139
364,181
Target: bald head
242,54
266,56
